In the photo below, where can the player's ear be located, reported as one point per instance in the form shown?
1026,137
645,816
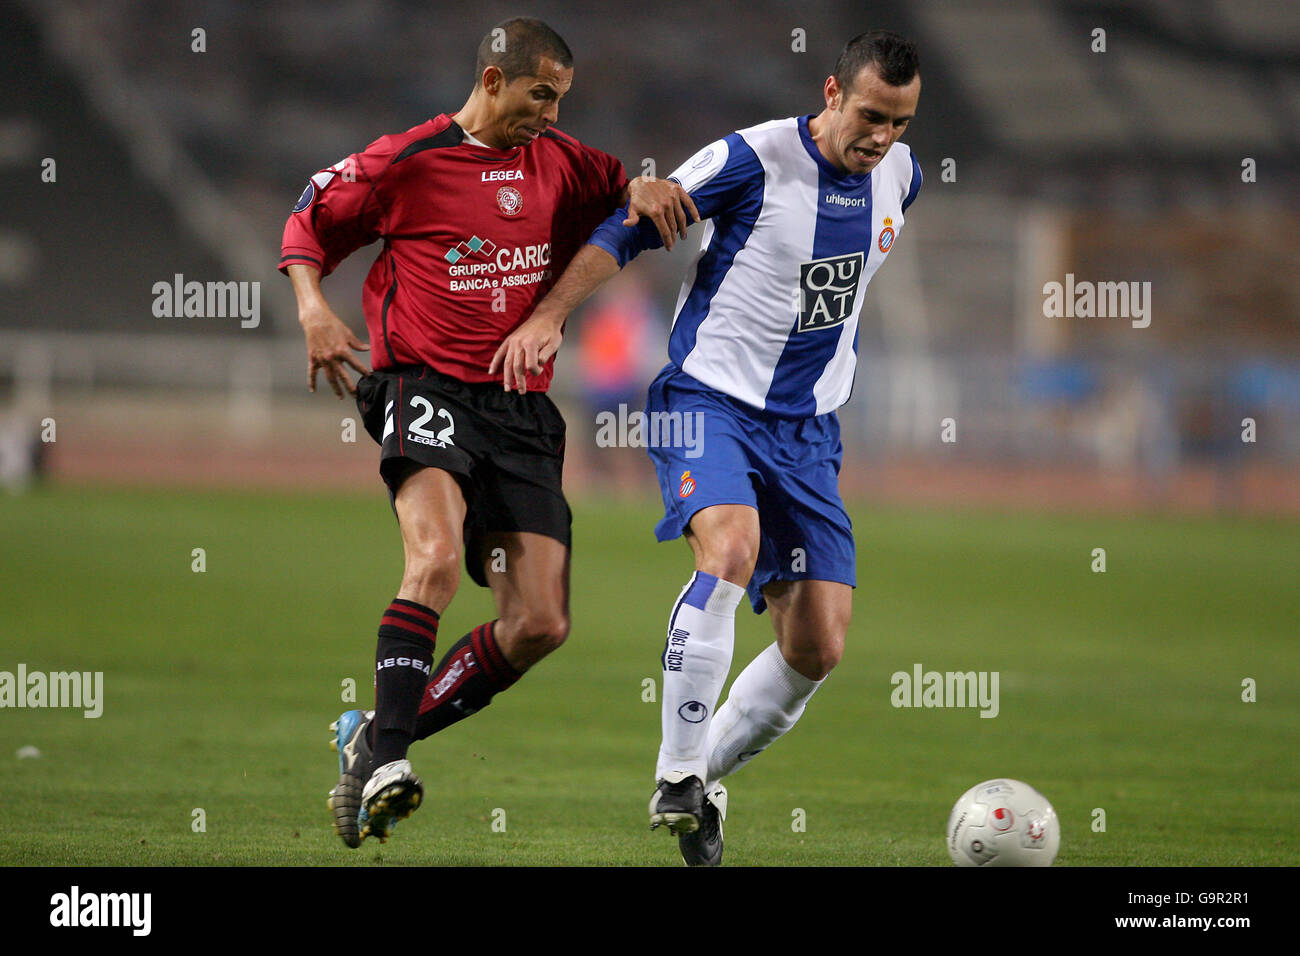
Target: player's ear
832,92
492,80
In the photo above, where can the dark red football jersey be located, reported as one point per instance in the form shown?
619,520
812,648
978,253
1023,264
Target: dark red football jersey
473,237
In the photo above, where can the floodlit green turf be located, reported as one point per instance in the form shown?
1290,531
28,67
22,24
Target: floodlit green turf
1119,692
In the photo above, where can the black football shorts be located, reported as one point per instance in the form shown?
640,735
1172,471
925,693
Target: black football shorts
505,449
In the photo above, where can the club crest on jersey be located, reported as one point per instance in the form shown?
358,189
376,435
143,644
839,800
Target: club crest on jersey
687,486
886,238
509,201
827,291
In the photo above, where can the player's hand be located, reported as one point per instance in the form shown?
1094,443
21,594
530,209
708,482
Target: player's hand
663,202
526,351
329,350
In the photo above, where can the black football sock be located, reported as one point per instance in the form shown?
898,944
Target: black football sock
403,660
464,682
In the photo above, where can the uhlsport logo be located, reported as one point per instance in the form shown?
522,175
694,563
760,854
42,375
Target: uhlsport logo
886,235
848,202
827,290
693,712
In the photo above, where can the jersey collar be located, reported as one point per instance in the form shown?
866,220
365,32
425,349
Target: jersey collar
846,180
498,155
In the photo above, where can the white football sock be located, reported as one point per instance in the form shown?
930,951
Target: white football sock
765,701
697,657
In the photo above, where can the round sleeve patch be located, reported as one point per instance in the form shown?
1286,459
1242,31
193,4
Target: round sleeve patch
306,198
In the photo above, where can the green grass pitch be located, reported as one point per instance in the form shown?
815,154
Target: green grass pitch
1119,691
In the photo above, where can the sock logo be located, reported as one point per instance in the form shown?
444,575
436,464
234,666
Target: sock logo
420,666
453,675
673,653
748,755
693,712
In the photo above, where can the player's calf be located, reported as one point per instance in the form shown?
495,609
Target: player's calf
766,700
408,633
469,675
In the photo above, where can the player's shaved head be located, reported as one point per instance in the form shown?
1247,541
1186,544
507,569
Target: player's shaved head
893,56
516,47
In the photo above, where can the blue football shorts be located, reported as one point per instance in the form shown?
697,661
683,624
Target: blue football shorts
723,451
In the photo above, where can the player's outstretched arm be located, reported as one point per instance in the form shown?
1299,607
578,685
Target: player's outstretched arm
529,347
329,341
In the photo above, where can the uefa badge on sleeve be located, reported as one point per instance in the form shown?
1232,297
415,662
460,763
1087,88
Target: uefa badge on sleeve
306,198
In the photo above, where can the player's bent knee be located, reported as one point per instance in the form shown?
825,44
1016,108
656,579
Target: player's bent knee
433,564
730,556
536,635
815,663
828,660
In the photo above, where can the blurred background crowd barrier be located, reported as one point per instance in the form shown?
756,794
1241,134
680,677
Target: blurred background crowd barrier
1061,141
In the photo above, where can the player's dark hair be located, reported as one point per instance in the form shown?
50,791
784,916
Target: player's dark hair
517,45
893,56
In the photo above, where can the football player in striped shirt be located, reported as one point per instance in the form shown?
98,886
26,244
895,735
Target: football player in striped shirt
801,213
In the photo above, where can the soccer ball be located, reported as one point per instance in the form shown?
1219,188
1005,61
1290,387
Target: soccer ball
1003,823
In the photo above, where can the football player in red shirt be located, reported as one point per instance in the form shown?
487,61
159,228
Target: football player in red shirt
479,211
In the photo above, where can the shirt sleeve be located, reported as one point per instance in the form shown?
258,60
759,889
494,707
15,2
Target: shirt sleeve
339,212
915,186
723,178
609,179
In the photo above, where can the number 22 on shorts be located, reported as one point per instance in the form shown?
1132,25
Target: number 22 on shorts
416,430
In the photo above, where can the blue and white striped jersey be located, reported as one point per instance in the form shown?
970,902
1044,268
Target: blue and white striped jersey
768,310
